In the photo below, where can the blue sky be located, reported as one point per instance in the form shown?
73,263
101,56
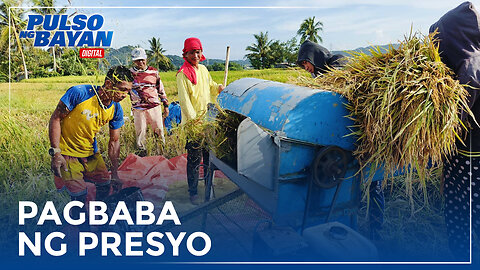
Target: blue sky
347,24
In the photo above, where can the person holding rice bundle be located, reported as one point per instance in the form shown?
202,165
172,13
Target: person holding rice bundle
459,46
317,60
147,95
79,115
195,90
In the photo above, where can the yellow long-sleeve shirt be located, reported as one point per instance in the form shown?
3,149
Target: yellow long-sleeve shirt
194,98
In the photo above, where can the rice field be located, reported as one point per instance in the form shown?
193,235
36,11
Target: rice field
25,173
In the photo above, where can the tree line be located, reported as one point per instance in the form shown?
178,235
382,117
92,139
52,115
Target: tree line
266,53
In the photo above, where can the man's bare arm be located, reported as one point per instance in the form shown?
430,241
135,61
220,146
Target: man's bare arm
54,132
114,151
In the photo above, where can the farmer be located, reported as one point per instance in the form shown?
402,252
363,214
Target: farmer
79,115
195,91
147,95
317,60
459,43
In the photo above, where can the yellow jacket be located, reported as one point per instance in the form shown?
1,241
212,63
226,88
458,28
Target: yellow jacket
194,98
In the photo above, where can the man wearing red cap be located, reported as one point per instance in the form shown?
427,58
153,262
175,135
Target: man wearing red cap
195,90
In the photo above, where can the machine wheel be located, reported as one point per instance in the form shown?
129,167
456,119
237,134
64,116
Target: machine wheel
329,167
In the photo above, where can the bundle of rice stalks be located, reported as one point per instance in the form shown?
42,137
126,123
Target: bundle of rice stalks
223,140
196,129
405,105
218,133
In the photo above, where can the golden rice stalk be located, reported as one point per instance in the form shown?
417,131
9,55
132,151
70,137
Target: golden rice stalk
224,137
405,105
217,133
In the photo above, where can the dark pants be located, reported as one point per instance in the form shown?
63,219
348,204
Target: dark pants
75,211
194,156
101,193
376,209
457,203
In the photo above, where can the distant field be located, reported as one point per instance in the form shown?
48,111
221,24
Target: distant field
168,79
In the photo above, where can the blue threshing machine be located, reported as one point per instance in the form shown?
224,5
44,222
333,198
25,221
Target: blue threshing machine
293,154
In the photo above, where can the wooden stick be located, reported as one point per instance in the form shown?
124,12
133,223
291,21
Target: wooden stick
227,59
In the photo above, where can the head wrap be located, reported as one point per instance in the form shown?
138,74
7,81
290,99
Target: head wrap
191,44
320,57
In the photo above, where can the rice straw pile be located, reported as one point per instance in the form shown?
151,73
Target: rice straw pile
196,129
218,134
405,105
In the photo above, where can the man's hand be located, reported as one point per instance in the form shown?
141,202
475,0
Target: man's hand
220,88
165,112
58,161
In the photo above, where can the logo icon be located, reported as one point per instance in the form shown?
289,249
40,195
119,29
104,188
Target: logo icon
89,114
